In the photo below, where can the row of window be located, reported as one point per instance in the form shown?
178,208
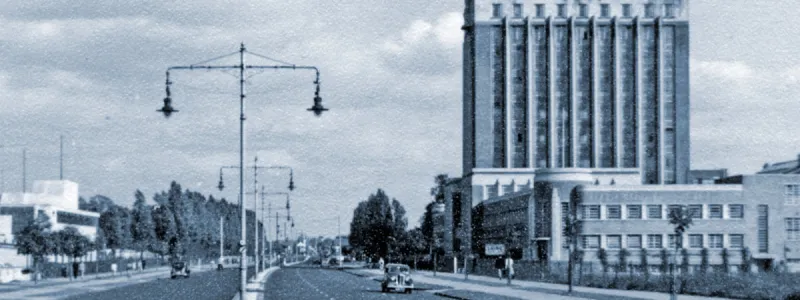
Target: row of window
656,241
656,211
668,10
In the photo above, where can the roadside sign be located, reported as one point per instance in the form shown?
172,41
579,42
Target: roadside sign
495,249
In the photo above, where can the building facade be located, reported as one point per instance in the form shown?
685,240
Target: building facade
57,200
761,213
562,93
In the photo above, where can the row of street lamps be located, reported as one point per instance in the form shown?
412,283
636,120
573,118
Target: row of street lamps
167,109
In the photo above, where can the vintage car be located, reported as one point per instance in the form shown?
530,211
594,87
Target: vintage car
397,277
179,268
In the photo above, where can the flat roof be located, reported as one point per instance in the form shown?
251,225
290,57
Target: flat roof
665,188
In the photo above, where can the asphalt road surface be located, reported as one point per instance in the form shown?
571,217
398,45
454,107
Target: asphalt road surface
209,285
312,283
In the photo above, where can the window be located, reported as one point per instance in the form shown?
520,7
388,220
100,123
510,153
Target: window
626,10
583,10
675,241
736,211
634,211
715,241
792,194
614,241
649,10
518,10
562,10
605,10
540,10
793,229
736,241
696,211
763,228
654,241
590,242
671,208
69,218
589,212
669,11
497,10
491,191
715,211
654,211
695,241
635,241
613,212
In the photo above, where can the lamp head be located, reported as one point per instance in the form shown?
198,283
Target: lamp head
291,182
167,109
317,108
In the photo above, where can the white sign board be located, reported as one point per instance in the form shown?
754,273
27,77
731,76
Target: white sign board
495,249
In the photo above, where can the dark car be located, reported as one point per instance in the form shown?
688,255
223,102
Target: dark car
397,277
179,268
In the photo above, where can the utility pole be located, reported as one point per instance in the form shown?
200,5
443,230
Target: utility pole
256,236
221,240
24,170
61,160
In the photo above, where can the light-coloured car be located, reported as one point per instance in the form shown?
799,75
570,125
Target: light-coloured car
179,268
397,277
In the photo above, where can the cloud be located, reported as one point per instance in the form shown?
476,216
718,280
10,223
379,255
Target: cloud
425,48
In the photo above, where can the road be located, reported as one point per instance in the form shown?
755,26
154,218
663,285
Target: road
313,283
209,285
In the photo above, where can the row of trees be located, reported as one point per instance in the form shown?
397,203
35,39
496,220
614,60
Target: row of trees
380,227
177,222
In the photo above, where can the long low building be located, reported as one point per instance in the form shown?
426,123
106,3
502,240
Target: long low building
57,199
760,213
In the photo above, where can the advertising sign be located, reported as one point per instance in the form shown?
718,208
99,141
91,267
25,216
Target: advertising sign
495,249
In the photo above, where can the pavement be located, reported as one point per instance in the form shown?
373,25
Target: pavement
57,288
255,287
476,287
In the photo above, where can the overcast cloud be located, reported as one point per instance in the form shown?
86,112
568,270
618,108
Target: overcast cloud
391,75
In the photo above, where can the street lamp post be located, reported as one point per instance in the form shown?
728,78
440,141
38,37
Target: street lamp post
256,167
167,110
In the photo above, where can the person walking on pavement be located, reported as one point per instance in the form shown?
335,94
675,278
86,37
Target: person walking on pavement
509,266
499,264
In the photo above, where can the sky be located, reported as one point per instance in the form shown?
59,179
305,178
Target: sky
391,75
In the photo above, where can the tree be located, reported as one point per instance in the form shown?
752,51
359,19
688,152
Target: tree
745,260
602,255
142,227
704,260
664,256
72,243
34,240
681,220
377,222
643,263
163,228
115,224
726,266
623,260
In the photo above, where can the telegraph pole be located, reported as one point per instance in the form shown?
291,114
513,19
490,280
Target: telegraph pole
61,160
221,239
24,170
256,237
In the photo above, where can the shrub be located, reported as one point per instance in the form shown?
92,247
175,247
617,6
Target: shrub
644,264
704,260
603,257
664,266
745,260
726,266
623,260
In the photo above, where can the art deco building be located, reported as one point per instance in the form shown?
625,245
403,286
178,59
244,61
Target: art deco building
560,93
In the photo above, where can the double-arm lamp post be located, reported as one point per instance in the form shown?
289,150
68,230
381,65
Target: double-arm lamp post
255,168
168,109
269,212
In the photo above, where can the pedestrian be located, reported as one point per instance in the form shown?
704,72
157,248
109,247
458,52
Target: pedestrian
114,269
509,266
82,268
380,263
499,264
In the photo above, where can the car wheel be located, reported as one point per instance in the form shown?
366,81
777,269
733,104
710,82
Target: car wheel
173,276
